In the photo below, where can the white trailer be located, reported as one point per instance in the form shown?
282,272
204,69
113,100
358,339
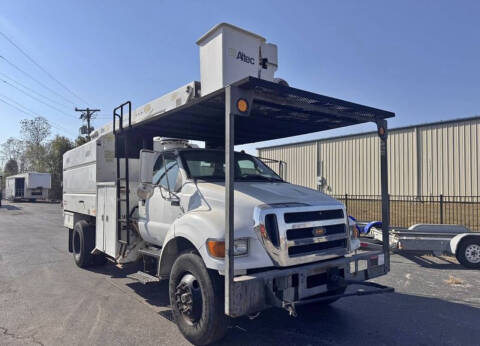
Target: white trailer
228,233
28,186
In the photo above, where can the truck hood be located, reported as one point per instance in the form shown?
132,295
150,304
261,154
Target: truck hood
257,193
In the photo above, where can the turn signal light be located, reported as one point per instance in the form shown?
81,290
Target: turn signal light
216,248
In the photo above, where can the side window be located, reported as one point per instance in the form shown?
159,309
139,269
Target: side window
166,172
158,170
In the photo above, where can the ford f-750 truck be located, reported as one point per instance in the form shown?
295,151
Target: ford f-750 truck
232,237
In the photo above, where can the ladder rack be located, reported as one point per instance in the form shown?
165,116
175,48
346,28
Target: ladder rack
122,181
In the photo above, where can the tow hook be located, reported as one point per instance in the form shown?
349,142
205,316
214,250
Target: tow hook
290,307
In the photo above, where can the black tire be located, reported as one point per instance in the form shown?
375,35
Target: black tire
468,251
209,323
83,242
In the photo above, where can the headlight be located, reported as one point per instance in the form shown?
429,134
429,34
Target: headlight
240,247
216,248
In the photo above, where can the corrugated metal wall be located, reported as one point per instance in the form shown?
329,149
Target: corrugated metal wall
301,162
424,160
449,162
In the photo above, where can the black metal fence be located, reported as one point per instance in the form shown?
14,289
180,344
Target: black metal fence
406,211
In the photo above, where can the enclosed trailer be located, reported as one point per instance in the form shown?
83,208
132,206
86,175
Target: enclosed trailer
31,186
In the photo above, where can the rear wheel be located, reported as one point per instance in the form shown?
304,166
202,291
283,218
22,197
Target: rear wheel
196,298
468,252
83,243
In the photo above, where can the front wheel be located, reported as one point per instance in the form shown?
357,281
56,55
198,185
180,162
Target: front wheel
197,300
468,253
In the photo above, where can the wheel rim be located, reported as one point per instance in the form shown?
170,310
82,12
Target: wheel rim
472,253
188,298
76,243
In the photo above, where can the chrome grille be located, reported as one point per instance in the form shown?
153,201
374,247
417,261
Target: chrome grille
317,215
295,234
312,232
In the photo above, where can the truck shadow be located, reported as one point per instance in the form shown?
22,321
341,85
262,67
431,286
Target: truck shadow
428,260
389,319
10,207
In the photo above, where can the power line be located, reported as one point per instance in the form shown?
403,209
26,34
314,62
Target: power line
36,80
33,97
32,114
41,68
32,91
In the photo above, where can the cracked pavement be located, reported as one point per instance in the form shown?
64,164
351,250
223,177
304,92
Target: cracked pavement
46,300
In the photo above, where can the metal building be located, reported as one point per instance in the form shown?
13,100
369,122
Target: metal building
440,158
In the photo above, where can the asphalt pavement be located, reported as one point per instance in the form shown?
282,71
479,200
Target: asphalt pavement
46,300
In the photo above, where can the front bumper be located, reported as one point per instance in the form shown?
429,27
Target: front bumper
305,284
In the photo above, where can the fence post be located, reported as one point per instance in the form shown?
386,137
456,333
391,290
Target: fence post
441,209
346,202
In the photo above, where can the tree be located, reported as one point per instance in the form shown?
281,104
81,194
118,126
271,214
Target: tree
11,168
12,148
35,132
80,140
54,163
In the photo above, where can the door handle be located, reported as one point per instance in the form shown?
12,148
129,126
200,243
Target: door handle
106,218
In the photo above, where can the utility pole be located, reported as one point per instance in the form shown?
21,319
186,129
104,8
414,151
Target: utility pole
87,114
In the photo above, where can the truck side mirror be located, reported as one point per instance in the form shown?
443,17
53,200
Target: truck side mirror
147,161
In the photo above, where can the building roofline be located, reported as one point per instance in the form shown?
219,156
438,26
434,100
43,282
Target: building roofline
441,122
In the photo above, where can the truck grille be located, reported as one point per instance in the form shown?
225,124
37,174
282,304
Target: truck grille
317,215
294,234
305,249
310,232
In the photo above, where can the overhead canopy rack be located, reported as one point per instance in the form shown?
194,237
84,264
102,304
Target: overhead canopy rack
275,111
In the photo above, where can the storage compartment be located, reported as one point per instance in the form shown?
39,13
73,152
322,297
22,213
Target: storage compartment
229,54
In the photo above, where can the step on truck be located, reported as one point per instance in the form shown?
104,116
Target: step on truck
230,235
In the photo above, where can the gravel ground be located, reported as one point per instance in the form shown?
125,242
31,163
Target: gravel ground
46,300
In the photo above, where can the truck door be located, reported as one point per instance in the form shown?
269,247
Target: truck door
159,209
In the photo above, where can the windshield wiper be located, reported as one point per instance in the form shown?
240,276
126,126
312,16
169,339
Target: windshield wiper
258,177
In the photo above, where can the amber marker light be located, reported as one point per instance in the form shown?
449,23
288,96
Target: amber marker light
242,105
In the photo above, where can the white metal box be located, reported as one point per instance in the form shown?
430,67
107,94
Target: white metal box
229,53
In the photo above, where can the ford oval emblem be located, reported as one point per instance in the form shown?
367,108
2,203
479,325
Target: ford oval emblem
318,232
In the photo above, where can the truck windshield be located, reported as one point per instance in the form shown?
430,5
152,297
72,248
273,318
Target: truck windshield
210,165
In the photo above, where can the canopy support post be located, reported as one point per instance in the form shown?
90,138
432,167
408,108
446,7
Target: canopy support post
229,194
383,134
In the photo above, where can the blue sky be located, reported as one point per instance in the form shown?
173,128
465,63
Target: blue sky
419,59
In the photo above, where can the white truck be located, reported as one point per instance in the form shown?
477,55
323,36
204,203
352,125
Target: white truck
231,236
28,186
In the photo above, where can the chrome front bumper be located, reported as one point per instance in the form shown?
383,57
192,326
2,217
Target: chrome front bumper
292,286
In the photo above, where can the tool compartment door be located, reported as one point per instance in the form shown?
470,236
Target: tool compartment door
106,232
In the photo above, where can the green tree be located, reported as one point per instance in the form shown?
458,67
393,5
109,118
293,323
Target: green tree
35,133
54,163
80,140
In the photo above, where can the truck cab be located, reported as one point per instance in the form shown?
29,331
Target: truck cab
277,224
